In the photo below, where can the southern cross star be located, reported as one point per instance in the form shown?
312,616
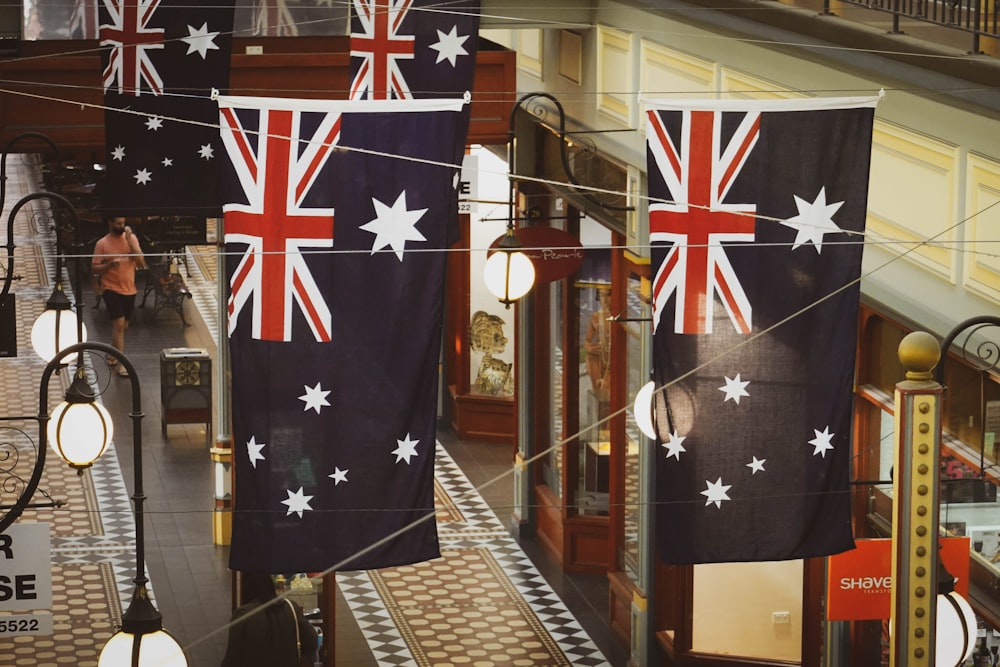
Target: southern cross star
756,466
394,225
821,443
338,476
674,446
297,502
449,46
716,492
253,451
813,221
200,40
407,449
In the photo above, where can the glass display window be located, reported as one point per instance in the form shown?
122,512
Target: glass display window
635,326
593,362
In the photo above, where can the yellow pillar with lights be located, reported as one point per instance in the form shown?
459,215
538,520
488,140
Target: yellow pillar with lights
916,509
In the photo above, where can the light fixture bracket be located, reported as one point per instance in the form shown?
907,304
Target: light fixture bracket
58,299
141,617
79,390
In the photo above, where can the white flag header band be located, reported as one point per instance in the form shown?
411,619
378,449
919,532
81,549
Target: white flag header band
795,104
341,106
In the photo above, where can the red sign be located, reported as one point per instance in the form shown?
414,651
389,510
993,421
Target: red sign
554,253
859,582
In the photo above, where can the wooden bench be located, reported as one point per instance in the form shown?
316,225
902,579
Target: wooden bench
168,289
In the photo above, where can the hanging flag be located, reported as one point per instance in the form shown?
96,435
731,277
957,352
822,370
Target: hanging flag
405,49
756,220
335,233
161,59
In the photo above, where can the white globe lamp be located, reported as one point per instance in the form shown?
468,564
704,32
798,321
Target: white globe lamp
56,328
509,273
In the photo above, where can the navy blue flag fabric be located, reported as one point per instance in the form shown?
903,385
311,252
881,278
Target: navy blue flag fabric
756,216
336,270
160,61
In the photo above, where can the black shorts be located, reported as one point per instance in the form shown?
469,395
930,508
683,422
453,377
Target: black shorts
118,305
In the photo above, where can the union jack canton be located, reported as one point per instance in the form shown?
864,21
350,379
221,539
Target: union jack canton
131,39
698,167
277,162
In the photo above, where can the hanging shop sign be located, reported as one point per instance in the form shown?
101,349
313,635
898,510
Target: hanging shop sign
554,253
25,580
859,582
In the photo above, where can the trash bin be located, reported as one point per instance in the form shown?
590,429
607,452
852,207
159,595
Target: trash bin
186,388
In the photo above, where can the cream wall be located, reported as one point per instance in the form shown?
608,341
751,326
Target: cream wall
736,606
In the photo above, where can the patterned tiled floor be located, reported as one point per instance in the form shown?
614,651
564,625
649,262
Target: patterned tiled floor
482,602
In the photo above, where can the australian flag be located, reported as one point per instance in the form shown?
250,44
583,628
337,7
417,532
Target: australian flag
160,61
405,49
413,49
338,216
756,217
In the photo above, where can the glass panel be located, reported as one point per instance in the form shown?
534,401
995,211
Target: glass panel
60,19
552,464
636,374
491,326
594,354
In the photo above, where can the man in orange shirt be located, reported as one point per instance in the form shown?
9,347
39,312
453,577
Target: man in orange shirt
116,257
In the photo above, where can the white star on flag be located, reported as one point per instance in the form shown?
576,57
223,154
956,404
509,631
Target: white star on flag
813,221
314,398
821,442
449,46
118,153
338,475
206,152
734,389
407,449
200,40
394,226
674,446
716,492
167,162
297,502
142,177
756,466
253,451
154,123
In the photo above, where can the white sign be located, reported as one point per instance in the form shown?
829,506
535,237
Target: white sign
468,186
13,625
25,567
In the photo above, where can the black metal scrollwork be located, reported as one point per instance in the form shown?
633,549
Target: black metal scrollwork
14,464
982,352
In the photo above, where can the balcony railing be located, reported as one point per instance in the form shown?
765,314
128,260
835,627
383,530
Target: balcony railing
978,17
